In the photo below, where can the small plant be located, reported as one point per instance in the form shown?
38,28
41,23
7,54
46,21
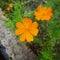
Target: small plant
43,23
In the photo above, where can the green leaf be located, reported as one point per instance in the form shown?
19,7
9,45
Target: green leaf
47,55
9,24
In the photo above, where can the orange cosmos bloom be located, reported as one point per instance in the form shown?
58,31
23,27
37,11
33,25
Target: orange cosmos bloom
26,29
10,5
8,9
43,13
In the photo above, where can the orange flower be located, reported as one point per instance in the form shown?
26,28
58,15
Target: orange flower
8,9
43,13
26,29
10,5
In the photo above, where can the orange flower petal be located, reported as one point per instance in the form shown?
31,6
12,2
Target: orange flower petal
34,31
36,13
38,18
19,25
34,25
22,37
39,8
29,37
50,9
44,8
19,31
50,14
27,22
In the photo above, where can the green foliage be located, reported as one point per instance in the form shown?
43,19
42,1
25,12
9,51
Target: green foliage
28,13
9,24
15,15
49,3
53,31
17,12
47,55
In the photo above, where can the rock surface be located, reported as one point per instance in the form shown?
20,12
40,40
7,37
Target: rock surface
14,49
